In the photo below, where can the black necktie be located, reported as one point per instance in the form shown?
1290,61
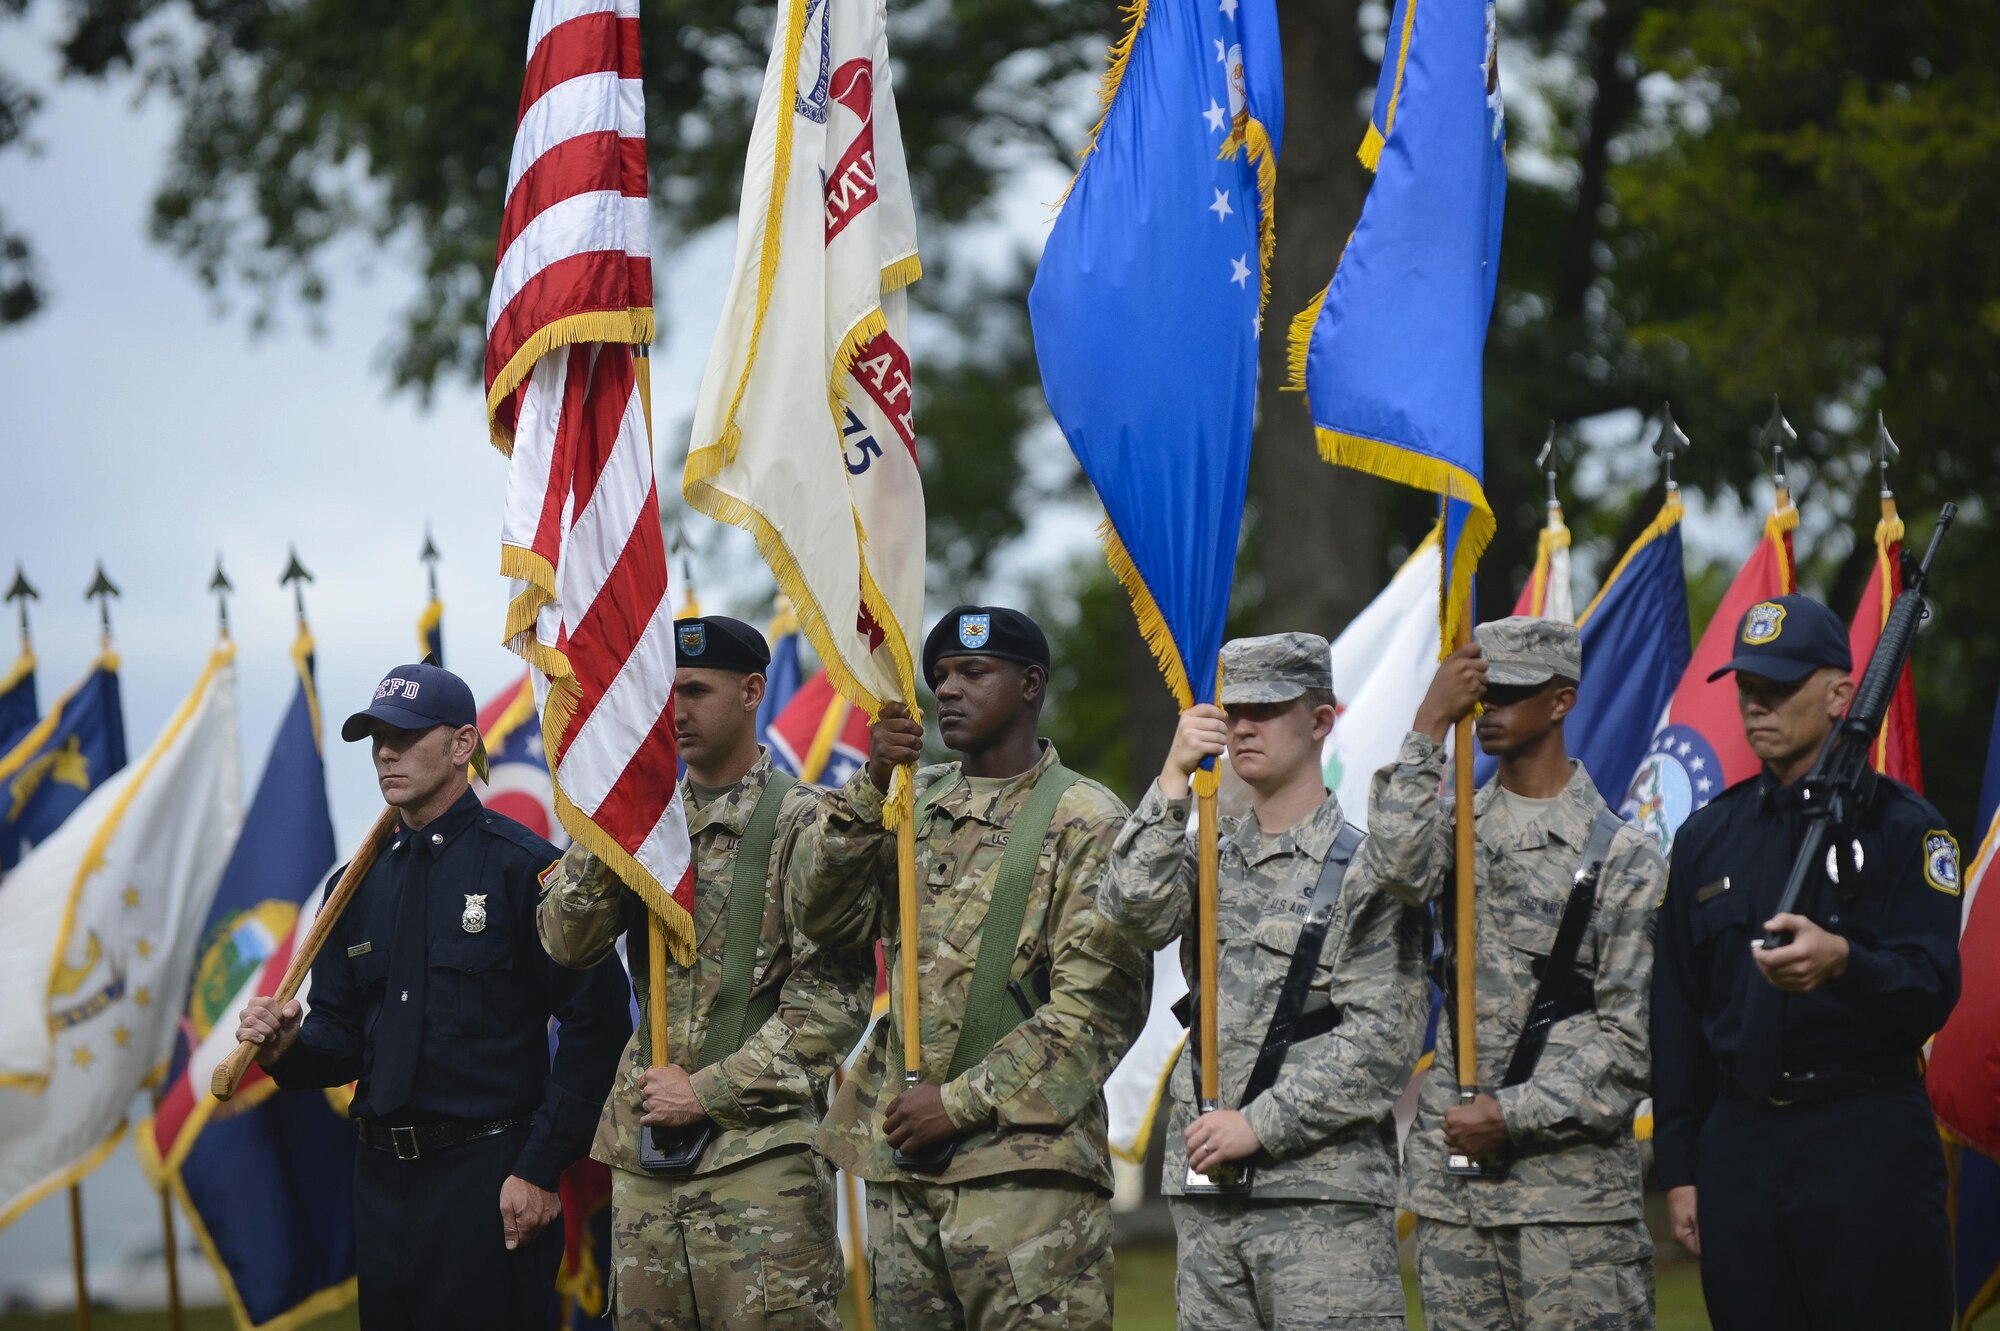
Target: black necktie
400,1029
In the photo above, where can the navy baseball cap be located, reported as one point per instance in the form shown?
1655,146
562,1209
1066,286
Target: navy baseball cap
417,697
1787,638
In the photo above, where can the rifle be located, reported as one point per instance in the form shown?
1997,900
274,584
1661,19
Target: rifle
1841,779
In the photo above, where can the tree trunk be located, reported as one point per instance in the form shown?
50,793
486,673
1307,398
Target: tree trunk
1318,535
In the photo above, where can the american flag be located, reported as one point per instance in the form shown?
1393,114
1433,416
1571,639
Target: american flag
566,393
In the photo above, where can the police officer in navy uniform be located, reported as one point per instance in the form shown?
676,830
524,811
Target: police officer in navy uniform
1792,1131
434,992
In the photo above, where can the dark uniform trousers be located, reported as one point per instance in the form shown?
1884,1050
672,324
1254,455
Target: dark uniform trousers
429,1248
1769,1180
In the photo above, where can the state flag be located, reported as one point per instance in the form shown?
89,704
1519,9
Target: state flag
66,755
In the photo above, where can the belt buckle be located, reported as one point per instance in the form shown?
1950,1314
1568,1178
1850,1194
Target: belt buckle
397,1136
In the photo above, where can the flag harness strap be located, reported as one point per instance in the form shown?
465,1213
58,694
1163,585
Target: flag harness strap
734,1015
987,1017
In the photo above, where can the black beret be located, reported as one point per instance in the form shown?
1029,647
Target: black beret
717,642
985,630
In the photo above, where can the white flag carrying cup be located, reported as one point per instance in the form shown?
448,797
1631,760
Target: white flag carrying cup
98,928
804,432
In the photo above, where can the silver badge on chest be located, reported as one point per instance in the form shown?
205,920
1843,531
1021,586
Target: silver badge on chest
474,919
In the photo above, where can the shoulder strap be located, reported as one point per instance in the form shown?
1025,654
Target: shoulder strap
1000,933
1305,958
727,1026
1561,992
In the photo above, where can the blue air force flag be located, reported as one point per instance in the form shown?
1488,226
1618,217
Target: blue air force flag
47,773
1148,305
1391,357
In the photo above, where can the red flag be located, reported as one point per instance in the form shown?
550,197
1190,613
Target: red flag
1699,750
820,736
1896,746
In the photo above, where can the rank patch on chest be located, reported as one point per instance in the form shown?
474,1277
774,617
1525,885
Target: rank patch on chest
474,919
1941,862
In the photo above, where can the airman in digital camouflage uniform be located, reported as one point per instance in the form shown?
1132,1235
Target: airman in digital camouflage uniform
1015,1232
1313,1245
1559,1243
748,1240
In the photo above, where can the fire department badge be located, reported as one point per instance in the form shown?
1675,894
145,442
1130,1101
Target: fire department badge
474,919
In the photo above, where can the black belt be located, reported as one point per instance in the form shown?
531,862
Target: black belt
1811,1088
422,1139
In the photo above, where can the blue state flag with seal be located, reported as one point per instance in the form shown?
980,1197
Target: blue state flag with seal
1636,644
1148,305
68,754
19,709
1390,355
266,1178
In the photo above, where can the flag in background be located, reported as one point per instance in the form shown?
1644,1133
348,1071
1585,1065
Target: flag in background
820,737
804,429
566,390
66,755
1635,651
98,928
1390,354
783,676
267,1179
1383,662
1895,753
517,769
1963,1080
1148,305
1699,751
18,706
1548,594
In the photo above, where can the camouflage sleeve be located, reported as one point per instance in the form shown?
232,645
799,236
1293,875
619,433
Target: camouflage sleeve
840,866
1048,1070
821,1010
1148,891
579,915
1588,1092
1408,850
1351,1076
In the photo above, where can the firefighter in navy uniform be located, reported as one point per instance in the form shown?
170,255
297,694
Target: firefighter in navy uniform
1793,1135
434,992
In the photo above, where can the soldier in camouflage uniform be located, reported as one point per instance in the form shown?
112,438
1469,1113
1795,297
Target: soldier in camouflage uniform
1559,1243
1313,1247
748,1240
1015,1231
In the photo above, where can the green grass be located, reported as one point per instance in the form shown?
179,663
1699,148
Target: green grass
1145,1302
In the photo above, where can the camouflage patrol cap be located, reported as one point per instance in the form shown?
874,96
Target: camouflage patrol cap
1275,668
1525,650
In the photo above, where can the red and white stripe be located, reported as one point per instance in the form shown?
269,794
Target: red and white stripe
580,525
573,233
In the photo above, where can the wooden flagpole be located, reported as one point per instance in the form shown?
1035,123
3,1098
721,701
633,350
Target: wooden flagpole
174,1322
76,1257
1466,1032
1207,868
907,930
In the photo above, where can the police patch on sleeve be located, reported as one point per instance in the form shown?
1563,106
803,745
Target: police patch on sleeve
1764,623
1941,862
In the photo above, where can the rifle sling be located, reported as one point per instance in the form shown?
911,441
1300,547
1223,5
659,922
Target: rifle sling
1561,992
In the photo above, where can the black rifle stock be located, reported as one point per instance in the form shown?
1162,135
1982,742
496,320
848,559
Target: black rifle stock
1837,785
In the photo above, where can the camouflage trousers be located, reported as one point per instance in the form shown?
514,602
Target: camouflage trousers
1024,1252
1590,1277
1285,1265
752,1246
